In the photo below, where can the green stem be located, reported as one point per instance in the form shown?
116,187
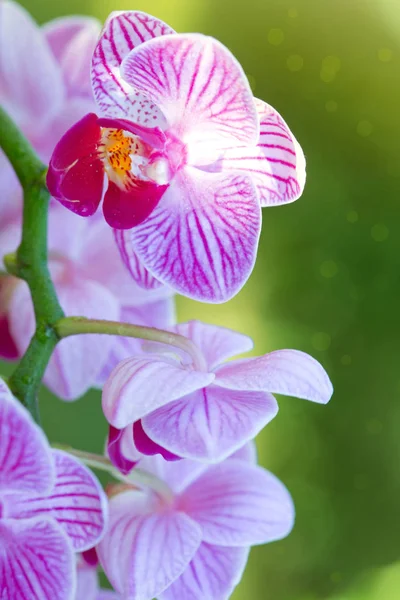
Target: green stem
30,263
136,477
79,325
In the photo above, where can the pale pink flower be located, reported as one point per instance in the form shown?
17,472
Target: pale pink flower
88,583
189,157
207,411
51,507
194,543
90,281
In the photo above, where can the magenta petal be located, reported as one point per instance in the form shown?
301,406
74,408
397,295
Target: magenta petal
213,573
143,551
36,561
77,502
199,86
202,238
124,209
211,423
87,582
122,32
139,273
217,344
146,446
8,348
115,450
237,504
287,372
26,463
137,386
76,173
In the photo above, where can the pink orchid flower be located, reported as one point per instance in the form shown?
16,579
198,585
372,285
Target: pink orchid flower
206,411
88,583
186,154
91,281
193,543
51,507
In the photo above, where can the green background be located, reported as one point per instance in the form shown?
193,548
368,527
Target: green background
326,282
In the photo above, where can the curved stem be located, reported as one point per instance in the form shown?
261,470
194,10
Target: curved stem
78,325
137,477
29,262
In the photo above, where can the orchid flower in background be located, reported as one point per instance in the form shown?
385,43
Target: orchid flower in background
51,507
87,587
189,157
204,412
91,281
192,541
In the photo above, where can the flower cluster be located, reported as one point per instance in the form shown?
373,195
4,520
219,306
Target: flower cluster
168,138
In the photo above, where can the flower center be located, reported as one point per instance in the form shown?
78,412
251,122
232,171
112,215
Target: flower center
123,154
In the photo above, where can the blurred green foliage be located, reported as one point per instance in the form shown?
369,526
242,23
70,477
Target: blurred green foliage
326,282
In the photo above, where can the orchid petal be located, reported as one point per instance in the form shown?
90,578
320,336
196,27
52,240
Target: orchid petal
77,502
237,504
87,582
8,348
127,208
76,173
217,344
276,165
106,595
287,372
116,447
122,32
144,549
202,238
36,561
137,386
31,86
73,40
247,453
214,572
210,424
199,86
25,458
77,361
146,446
130,259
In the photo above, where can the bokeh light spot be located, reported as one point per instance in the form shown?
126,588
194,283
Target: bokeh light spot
352,216
330,68
385,54
328,268
321,341
293,13
346,360
365,128
379,232
295,62
331,106
276,37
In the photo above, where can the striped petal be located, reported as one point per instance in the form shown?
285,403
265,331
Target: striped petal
237,504
36,561
199,86
130,259
214,572
26,464
145,549
276,164
139,385
123,32
202,238
217,344
77,502
210,424
287,372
